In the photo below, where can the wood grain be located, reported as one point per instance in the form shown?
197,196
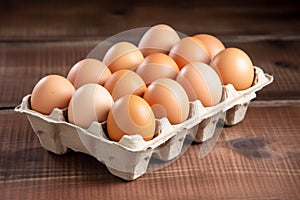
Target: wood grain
23,64
65,20
256,159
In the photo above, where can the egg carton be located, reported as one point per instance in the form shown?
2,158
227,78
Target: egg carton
132,157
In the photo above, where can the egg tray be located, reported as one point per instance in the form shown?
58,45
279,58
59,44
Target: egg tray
130,157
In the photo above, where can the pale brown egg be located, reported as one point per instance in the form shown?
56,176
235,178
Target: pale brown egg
90,103
52,91
130,115
201,82
234,67
213,44
88,70
167,98
189,49
158,39
157,65
73,72
123,55
124,82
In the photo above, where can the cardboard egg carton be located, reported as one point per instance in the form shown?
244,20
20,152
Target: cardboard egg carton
132,157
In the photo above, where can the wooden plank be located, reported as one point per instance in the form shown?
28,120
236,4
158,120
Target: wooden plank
256,159
65,20
23,64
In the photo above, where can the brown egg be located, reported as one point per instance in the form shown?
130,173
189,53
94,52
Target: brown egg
157,65
234,67
189,49
52,91
123,55
130,115
124,82
201,82
73,72
167,98
90,103
88,70
213,44
158,39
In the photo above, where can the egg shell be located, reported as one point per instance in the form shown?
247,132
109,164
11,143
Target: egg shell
73,72
130,115
189,49
89,70
234,67
201,82
123,55
124,82
89,103
158,39
213,44
157,65
167,98
52,91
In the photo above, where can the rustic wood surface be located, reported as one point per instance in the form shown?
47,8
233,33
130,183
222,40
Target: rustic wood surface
258,158
65,20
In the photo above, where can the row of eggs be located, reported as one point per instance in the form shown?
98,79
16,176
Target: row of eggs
133,85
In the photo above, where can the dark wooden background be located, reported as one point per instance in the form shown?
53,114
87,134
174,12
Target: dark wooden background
256,159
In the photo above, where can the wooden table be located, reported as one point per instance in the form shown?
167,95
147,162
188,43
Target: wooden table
257,159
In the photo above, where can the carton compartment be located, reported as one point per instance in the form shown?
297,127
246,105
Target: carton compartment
236,114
